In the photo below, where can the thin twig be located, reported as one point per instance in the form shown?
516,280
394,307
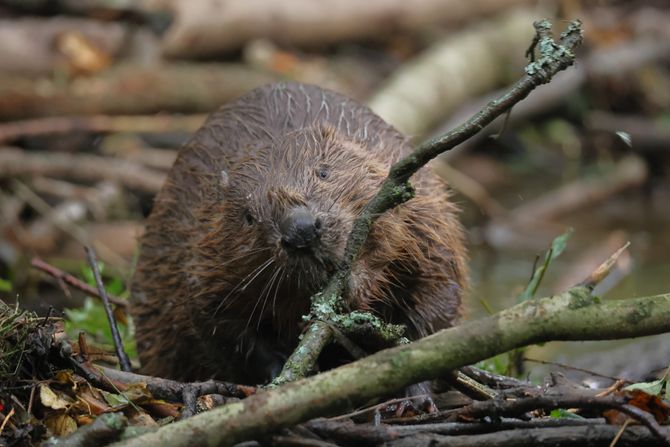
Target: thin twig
573,368
68,279
69,227
6,419
620,432
603,269
396,190
497,408
124,361
376,407
166,389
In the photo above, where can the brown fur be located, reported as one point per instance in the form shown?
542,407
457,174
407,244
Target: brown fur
215,295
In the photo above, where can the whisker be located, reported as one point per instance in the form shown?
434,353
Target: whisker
274,299
249,253
236,258
266,292
243,283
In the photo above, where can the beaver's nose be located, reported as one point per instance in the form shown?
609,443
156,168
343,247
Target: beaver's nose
299,228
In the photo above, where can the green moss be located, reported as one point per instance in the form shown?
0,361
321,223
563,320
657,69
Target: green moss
402,193
640,313
359,321
580,297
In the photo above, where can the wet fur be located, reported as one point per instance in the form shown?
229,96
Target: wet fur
214,294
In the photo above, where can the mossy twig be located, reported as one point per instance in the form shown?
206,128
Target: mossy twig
396,189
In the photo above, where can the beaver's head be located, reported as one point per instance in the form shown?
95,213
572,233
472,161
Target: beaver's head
286,214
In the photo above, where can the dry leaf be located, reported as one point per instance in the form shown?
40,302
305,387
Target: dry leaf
66,377
52,400
83,56
138,392
120,315
60,424
140,418
90,401
84,419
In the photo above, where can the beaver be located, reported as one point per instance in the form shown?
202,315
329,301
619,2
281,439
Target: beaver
253,219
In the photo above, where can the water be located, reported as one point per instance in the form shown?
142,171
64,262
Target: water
641,216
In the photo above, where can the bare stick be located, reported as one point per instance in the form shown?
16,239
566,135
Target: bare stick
571,368
70,280
396,189
603,270
170,390
497,408
124,361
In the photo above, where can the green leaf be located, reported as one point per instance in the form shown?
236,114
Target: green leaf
115,400
92,319
87,273
559,243
113,285
497,364
560,413
5,285
654,387
557,247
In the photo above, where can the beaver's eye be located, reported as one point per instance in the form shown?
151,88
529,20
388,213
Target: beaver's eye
249,219
323,172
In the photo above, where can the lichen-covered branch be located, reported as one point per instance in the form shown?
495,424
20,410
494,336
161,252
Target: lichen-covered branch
299,364
396,189
573,315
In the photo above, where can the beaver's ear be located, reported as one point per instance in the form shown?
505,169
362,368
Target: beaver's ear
224,180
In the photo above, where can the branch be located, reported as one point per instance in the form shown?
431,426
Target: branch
105,428
124,361
128,89
99,123
16,162
531,437
498,408
573,315
113,380
396,188
68,279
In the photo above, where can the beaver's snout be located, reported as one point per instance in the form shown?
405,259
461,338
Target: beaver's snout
300,229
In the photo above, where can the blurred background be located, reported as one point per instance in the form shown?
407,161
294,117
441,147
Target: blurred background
96,97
